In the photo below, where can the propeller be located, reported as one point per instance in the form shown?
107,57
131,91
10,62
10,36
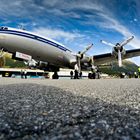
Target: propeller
79,56
119,48
106,43
126,41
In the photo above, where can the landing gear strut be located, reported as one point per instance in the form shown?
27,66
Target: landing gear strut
77,71
55,75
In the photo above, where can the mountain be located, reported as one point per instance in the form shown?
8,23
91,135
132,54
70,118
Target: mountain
128,67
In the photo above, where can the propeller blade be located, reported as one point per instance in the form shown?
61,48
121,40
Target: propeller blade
126,41
107,43
119,58
86,49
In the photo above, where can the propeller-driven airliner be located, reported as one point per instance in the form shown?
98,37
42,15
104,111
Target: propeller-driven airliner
45,53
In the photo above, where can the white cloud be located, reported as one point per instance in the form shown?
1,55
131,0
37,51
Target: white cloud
75,40
19,8
135,19
136,60
58,34
108,21
112,23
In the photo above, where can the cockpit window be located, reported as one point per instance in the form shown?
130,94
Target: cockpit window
4,28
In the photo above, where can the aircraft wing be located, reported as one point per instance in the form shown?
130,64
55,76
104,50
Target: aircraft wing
108,57
132,53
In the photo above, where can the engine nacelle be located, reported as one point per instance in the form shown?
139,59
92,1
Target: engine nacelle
115,51
41,65
46,66
33,64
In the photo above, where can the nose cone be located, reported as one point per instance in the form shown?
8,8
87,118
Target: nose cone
117,44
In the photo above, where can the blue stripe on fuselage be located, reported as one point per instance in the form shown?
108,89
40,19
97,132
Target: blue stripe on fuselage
35,37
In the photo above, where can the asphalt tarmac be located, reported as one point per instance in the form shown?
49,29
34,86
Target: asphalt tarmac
39,109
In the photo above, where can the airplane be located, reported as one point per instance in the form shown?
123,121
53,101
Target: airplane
47,54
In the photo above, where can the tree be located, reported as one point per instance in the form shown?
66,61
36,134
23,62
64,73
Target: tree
2,62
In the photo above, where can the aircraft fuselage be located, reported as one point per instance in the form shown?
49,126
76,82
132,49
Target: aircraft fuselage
40,48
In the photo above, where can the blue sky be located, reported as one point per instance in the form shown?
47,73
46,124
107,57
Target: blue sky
77,23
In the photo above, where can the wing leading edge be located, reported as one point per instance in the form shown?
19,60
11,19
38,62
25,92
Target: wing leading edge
108,57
